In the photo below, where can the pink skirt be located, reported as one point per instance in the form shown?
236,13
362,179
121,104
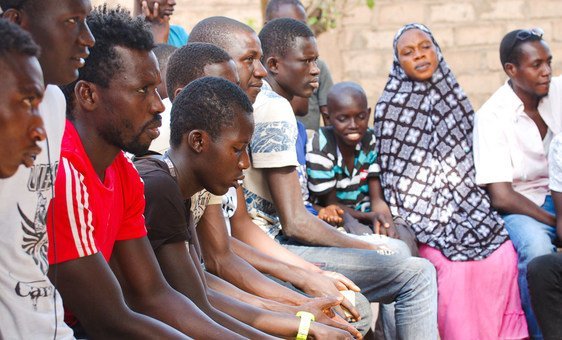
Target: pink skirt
478,300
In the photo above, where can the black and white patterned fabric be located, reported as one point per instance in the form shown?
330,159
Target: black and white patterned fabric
424,132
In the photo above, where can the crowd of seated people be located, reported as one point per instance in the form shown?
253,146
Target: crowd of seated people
160,184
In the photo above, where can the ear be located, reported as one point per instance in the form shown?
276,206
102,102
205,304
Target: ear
272,64
87,95
13,15
198,140
368,114
177,91
510,69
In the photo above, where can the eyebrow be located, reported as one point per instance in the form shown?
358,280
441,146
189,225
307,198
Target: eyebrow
36,90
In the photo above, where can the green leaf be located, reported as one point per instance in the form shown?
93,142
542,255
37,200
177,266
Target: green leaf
370,4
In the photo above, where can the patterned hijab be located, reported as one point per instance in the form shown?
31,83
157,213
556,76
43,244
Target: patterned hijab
424,132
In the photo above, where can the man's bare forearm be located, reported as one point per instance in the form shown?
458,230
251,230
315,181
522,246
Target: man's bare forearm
226,288
508,201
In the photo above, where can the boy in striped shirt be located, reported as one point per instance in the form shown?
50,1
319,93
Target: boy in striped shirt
342,164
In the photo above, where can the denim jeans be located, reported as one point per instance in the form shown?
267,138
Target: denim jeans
531,239
393,276
545,285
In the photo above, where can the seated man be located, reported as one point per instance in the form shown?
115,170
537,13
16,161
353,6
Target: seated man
157,14
21,126
242,43
274,196
307,110
95,221
202,61
30,307
545,272
512,134
210,128
190,62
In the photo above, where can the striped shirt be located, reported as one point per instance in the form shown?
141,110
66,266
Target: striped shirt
87,215
326,169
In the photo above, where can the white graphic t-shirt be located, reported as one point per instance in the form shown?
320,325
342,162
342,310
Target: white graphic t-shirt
27,303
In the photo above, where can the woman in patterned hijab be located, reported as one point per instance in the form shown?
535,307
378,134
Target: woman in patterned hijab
423,122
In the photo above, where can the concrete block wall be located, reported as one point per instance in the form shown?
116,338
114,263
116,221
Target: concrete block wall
360,48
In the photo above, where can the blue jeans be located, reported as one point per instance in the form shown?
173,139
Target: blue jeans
531,239
408,281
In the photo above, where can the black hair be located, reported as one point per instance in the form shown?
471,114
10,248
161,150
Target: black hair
163,53
110,27
217,31
26,5
209,104
15,4
510,46
346,88
279,35
274,5
188,63
16,40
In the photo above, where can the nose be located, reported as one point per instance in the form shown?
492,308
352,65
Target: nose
244,162
259,70
418,54
37,132
314,69
547,70
157,104
352,123
86,38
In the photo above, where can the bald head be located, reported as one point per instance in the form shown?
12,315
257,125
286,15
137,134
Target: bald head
345,94
217,31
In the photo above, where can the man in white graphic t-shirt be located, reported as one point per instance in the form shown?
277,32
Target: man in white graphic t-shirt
27,307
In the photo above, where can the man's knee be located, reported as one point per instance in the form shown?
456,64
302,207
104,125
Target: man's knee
423,269
543,268
534,246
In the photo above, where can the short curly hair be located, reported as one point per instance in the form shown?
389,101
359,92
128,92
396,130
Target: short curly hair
209,104
188,63
279,35
16,40
110,27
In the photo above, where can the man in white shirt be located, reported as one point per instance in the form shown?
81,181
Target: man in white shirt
512,134
30,308
21,127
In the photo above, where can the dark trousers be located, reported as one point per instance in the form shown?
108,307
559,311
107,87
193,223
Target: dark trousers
544,274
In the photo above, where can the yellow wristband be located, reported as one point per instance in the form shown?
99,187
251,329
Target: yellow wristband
304,326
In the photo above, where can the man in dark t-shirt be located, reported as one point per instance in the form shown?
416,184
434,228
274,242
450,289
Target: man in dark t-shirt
211,126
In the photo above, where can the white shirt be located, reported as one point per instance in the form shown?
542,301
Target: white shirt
273,145
27,307
507,143
555,163
162,143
